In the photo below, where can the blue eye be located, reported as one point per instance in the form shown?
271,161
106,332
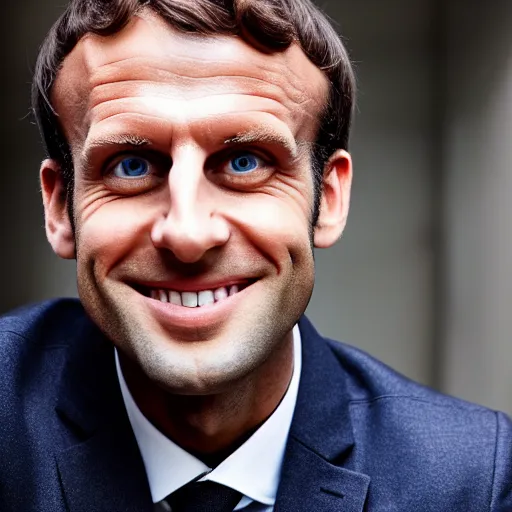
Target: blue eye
132,167
244,163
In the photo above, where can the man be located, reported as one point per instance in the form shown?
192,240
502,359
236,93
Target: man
197,151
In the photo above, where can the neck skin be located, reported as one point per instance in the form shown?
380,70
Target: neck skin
213,426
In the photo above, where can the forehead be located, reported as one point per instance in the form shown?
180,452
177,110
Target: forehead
150,70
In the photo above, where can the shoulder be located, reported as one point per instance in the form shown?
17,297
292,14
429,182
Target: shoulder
374,386
379,398
32,343
22,320
39,326
38,344
366,379
422,436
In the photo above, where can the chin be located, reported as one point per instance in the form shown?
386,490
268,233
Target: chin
212,368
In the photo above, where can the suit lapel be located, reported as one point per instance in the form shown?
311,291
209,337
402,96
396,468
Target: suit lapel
321,438
309,483
104,474
101,468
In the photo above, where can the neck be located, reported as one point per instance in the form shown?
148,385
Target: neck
213,426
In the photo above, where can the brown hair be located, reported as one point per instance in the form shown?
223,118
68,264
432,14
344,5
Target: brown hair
269,25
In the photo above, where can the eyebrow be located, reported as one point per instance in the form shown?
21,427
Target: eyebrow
255,136
265,136
117,140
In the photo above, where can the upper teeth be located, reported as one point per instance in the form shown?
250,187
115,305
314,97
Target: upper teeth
194,299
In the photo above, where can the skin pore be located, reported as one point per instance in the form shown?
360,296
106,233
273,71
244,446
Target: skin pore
192,174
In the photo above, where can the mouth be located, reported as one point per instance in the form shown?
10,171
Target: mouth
192,298
186,307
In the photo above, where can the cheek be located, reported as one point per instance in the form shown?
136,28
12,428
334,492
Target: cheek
108,234
280,228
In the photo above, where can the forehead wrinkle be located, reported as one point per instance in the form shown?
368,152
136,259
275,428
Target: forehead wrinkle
173,113
104,93
136,78
269,69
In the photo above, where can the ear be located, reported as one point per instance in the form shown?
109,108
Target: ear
59,229
335,199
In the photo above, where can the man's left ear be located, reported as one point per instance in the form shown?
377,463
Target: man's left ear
335,199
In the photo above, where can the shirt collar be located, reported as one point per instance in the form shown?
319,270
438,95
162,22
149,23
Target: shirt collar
253,469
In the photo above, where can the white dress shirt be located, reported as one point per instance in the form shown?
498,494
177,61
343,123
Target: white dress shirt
253,469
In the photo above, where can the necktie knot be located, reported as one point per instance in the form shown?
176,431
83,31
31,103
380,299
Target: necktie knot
204,497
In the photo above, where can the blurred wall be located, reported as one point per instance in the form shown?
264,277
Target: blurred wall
384,287
477,347
28,269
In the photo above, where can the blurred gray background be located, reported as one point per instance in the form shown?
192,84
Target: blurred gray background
421,278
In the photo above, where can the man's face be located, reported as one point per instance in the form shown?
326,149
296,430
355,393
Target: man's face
192,185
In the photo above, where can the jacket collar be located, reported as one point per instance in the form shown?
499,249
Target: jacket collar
321,437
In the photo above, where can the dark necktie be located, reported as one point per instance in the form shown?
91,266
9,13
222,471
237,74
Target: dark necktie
204,497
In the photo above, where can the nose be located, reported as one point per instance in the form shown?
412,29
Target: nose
192,223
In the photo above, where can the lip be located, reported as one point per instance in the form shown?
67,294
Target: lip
208,316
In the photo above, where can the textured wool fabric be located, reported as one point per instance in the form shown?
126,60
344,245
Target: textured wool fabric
204,497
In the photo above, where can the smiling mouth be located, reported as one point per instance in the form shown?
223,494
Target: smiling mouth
193,299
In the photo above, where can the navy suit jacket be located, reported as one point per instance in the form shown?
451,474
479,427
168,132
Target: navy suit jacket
363,438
